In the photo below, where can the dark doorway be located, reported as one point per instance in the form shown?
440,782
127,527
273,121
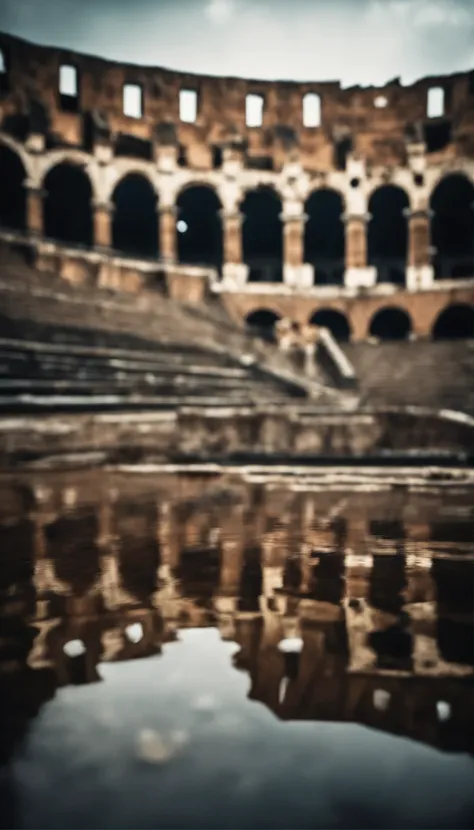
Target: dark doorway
391,324
199,227
452,227
262,323
335,321
387,237
135,222
455,323
262,235
324,244
12,192
67,205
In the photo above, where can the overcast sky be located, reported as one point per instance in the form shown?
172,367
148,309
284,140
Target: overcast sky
355,41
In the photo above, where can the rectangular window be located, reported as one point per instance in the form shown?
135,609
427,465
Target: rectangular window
188,105
68,88
435,105
68,80
4,85
311,110
254,110
133,101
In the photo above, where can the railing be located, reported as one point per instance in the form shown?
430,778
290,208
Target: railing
265,270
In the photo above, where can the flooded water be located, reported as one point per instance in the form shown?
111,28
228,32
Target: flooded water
243,649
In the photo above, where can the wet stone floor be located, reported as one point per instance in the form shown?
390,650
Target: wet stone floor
234,650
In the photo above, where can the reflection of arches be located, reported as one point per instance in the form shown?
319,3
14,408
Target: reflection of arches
456,322
335,321
262,323
201,239
387,236
135,221
12,192
390,324
67,205
452,226
262,235
324,236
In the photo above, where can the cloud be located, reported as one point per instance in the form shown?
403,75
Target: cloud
220,11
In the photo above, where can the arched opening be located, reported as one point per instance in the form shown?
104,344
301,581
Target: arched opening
387,236
135,220
324,236
67,205
455,323
452,227
12,192
261,323
390,324
199,227
262,235
335,321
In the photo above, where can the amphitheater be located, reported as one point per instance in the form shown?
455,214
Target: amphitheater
204,268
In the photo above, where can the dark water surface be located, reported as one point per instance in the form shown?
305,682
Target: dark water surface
235,650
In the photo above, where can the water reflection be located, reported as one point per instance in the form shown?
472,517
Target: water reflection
341,607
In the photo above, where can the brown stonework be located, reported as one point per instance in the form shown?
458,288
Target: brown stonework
419,238
378,134
293,240
356,242
423,307
232,237
103,225
167,232
34,211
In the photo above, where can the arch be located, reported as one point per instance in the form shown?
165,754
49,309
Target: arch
456,322
67,205
199,226
391,323
261,322
19,150
452,226
387,238
324,244
12,191
262,235
135,218
335,321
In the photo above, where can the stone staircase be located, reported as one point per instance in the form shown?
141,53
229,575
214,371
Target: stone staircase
437,375
69,348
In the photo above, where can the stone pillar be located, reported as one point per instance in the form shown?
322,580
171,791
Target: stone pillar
357,272
34,210
295,272
233,270
167,232
419,268
103,212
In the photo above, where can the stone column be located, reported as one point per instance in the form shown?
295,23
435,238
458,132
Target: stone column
295,272
103,212
234,270
34,209
167,232
419,268
357,272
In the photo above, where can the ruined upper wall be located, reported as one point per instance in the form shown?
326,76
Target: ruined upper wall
30,103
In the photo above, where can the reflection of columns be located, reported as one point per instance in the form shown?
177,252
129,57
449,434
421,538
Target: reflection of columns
357,272
419,268
231,552
34,209
103,212
167,232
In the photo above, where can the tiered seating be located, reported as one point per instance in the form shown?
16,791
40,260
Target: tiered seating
438,375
